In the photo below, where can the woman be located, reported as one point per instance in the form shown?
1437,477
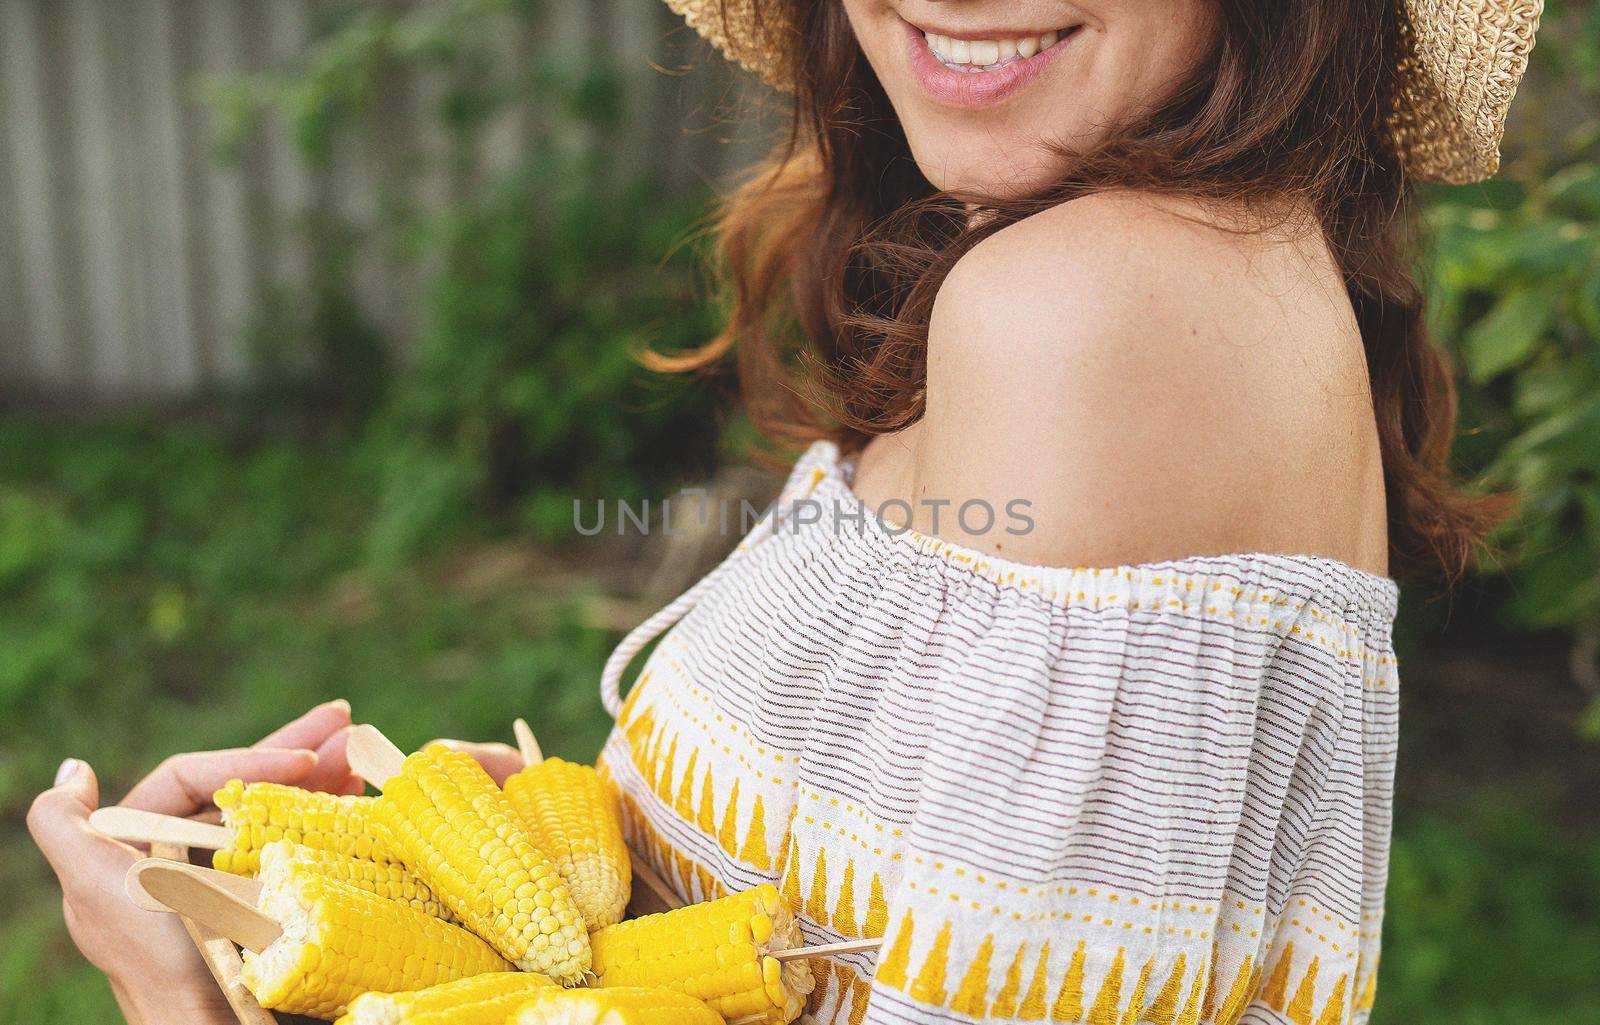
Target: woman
1102,284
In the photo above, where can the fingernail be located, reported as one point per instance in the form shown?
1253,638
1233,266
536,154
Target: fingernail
68,769
340,703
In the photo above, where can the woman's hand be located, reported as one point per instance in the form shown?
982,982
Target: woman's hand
498,760
153,966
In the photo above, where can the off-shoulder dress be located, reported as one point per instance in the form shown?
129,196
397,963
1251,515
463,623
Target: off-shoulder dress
1154,793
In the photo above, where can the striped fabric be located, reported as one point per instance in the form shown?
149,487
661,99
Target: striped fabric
1145,794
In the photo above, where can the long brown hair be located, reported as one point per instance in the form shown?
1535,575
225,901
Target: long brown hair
833,253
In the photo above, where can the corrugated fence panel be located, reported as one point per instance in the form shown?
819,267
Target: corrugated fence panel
133,263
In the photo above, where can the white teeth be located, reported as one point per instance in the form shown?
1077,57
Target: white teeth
987,53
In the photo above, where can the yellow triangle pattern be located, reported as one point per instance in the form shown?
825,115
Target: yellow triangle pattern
860,991
1333,1010
822,985
817,906
1136,1002
892,969
625,713
1299,1010
1005,1002
1369,993
1164,1009
684,805
1238,993
1109,999
1191,1010
728,835
928,986
664,782
791,878
844,912
972,998
754,852
708,806
847,977
1069,999
1277,991
877,910
1033,1006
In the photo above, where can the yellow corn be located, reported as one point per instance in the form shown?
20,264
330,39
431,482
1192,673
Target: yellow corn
259,813
622,1006
387,879
456,831
717,952
339,942
574,818
478,1000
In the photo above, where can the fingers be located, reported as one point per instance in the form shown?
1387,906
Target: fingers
332,773
59,811
183,784
312,729
59,818
499,760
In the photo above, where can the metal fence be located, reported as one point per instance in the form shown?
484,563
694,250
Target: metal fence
132,261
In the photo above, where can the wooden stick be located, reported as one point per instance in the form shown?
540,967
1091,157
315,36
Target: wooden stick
527,743
148,827
191,892
373,756
655,884
827,949
219,954
243,887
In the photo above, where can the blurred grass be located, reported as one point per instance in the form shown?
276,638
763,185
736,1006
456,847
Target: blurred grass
171,588
167,588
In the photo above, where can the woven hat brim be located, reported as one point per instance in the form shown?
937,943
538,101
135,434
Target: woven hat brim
1459,70
1459,65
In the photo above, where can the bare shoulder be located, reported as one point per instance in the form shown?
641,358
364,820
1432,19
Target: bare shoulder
1157,379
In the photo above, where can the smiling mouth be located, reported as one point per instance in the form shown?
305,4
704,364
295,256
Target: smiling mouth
978,56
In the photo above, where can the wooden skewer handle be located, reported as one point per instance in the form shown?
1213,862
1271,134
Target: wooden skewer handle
219,954
827,949
243,887
373,756
194,893
148,827
527,743
657,886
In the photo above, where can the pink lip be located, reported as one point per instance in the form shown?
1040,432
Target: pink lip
970,90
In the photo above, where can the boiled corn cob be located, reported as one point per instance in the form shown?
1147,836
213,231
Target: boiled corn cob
259,813
479,1000
456,830
339,942
717,952
574,819
621,1006
388,879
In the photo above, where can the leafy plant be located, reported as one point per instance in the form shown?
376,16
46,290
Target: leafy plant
1514,275
544,275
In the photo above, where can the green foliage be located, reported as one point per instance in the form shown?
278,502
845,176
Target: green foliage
1514,276
545,273
181,588
1493,916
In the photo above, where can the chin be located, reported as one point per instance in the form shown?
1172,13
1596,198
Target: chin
979,172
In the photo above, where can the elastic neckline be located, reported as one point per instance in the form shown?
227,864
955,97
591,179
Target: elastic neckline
822,471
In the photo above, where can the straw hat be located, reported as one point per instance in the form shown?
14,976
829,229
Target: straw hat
1462,60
